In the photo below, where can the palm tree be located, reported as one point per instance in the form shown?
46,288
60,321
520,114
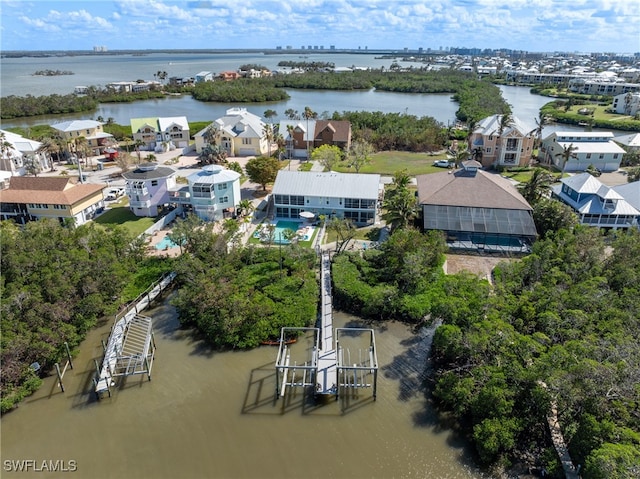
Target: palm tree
267,134
566,154
308,115
472,124
48,146
137,144
290,131
537,186
245,207
506,121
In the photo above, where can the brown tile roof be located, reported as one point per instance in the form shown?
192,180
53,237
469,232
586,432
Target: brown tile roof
52,190
341,129
460,188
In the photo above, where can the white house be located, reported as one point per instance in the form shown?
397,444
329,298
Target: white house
203,76
239,133
148,188
626,104
345,195
161,133
212,193
591,148
597,204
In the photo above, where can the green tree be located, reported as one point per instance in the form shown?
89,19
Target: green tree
613,461
49,147
633,174
537,186
568,152
344,230
359,154
327,155
262,170
309,114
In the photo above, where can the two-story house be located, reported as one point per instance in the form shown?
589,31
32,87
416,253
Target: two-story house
30,198
298,136
587,148
352,196
627,103
148,188
91,130
161,134
212,193
493,146
238,133
597,204
16,149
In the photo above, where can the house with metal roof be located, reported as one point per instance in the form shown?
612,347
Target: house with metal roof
513,146
212,193
148,188
477,210
56,197
91,130
598,204
345,195
238,133
161,133
591,148
16,149
629,142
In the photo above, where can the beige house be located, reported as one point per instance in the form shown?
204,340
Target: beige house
31,198
238,133
91,130
513,146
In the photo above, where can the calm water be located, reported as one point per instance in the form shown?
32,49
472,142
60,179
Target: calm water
213,415
17,79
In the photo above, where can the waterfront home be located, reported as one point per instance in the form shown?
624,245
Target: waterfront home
352,196
626,103
511,146
302,136
590,148
133,86
229,75
91,130
56,197
203,76
161,133
629,142
238,133
477,210
16,149
148,188
212,193
597,204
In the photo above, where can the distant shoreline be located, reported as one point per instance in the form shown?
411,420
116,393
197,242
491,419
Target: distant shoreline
269,51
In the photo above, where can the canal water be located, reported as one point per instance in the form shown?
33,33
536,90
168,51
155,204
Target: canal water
209,414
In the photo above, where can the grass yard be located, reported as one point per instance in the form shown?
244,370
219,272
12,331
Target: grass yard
599,113
388,162
124,217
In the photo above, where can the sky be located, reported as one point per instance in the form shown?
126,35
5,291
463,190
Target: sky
532,25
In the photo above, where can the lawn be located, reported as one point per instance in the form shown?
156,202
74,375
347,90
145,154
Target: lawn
124,217
388,162
599,112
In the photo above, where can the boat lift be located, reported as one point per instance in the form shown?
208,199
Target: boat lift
295,375
130,351
360,372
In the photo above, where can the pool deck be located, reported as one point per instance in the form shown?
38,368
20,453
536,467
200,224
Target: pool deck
156,238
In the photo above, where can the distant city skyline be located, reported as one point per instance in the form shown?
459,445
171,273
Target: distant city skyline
532,25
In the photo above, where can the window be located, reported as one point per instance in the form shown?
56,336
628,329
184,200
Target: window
246,141
222,186
615,156
588,155
488,150
491,138
224,199
88,132
510,158
512,144
201,190
601,156
351,203
154,182
59,207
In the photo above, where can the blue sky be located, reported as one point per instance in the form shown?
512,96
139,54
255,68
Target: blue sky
534,25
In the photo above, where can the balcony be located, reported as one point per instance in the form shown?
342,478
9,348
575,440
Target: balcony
140,204
131,191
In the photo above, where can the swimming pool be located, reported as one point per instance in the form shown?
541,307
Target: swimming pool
165,243
279,232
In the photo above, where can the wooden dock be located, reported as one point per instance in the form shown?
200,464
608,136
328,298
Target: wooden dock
327,375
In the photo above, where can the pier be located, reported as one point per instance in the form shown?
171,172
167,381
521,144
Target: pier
338,359
131,347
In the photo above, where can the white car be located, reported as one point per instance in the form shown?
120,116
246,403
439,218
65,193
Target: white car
443,164
114,193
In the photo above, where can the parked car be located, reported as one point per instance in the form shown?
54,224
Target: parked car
114,193
443,164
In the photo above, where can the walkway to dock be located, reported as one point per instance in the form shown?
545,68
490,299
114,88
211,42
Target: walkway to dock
327,376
